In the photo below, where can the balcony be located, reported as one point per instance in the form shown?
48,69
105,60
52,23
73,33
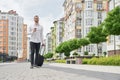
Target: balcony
78,17
100,9
77,9
78,27
82,1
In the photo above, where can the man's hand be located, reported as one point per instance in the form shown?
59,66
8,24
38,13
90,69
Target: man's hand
43,44
34,30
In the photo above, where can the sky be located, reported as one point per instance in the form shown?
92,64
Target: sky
48,10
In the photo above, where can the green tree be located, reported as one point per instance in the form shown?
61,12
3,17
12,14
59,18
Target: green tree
66,49
83,42
112,23
74,44
68,46
96,35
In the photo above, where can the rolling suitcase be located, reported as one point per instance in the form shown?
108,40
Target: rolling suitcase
40,57
40,60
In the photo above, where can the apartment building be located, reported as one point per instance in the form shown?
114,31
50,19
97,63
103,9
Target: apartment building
11,31
48,43
53,39
59,24
80,16
4,36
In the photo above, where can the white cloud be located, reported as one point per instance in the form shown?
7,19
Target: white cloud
28,8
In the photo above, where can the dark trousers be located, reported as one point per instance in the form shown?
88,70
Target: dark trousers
35,47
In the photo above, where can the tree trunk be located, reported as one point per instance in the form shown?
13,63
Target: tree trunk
114,46
97,50
83,50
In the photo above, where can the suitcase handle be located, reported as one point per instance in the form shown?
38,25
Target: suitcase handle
42,48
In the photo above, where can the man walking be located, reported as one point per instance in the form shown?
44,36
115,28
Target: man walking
36,39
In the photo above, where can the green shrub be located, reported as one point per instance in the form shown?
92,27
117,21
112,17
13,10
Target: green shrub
93,61
113,60
60,61
48,55
105,53
85,61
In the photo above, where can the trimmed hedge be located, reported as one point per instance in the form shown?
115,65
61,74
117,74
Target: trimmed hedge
60,61
113,60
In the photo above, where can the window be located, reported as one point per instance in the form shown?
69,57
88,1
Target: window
4,48
3,17
4,42
88,30
1,48
89,4
99,15
0,42
89,22
78,33
88,48
12,33
99,49
78,15
1,37
4,22
4,32
99,6
119,37
12,23
99,22
78,5
78,22
92,48
79,50
1,32
89,13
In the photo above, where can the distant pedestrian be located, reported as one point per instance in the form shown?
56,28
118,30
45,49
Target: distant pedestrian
36,39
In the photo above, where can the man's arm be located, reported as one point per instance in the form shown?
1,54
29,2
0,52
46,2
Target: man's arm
31,31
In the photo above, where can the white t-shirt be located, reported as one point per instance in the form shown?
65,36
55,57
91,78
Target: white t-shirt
36,37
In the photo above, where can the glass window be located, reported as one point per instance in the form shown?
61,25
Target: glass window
99,6
99,22
88,48
89,22
78,22
78,5
118,37
100,49
3,17
89,13
89,4
88,30
78,33
99,15
78,15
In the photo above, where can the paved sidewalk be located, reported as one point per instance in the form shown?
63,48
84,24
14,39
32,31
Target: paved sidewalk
54,71
22,71
108,69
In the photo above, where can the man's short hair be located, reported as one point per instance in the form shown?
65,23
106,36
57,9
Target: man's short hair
36,16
